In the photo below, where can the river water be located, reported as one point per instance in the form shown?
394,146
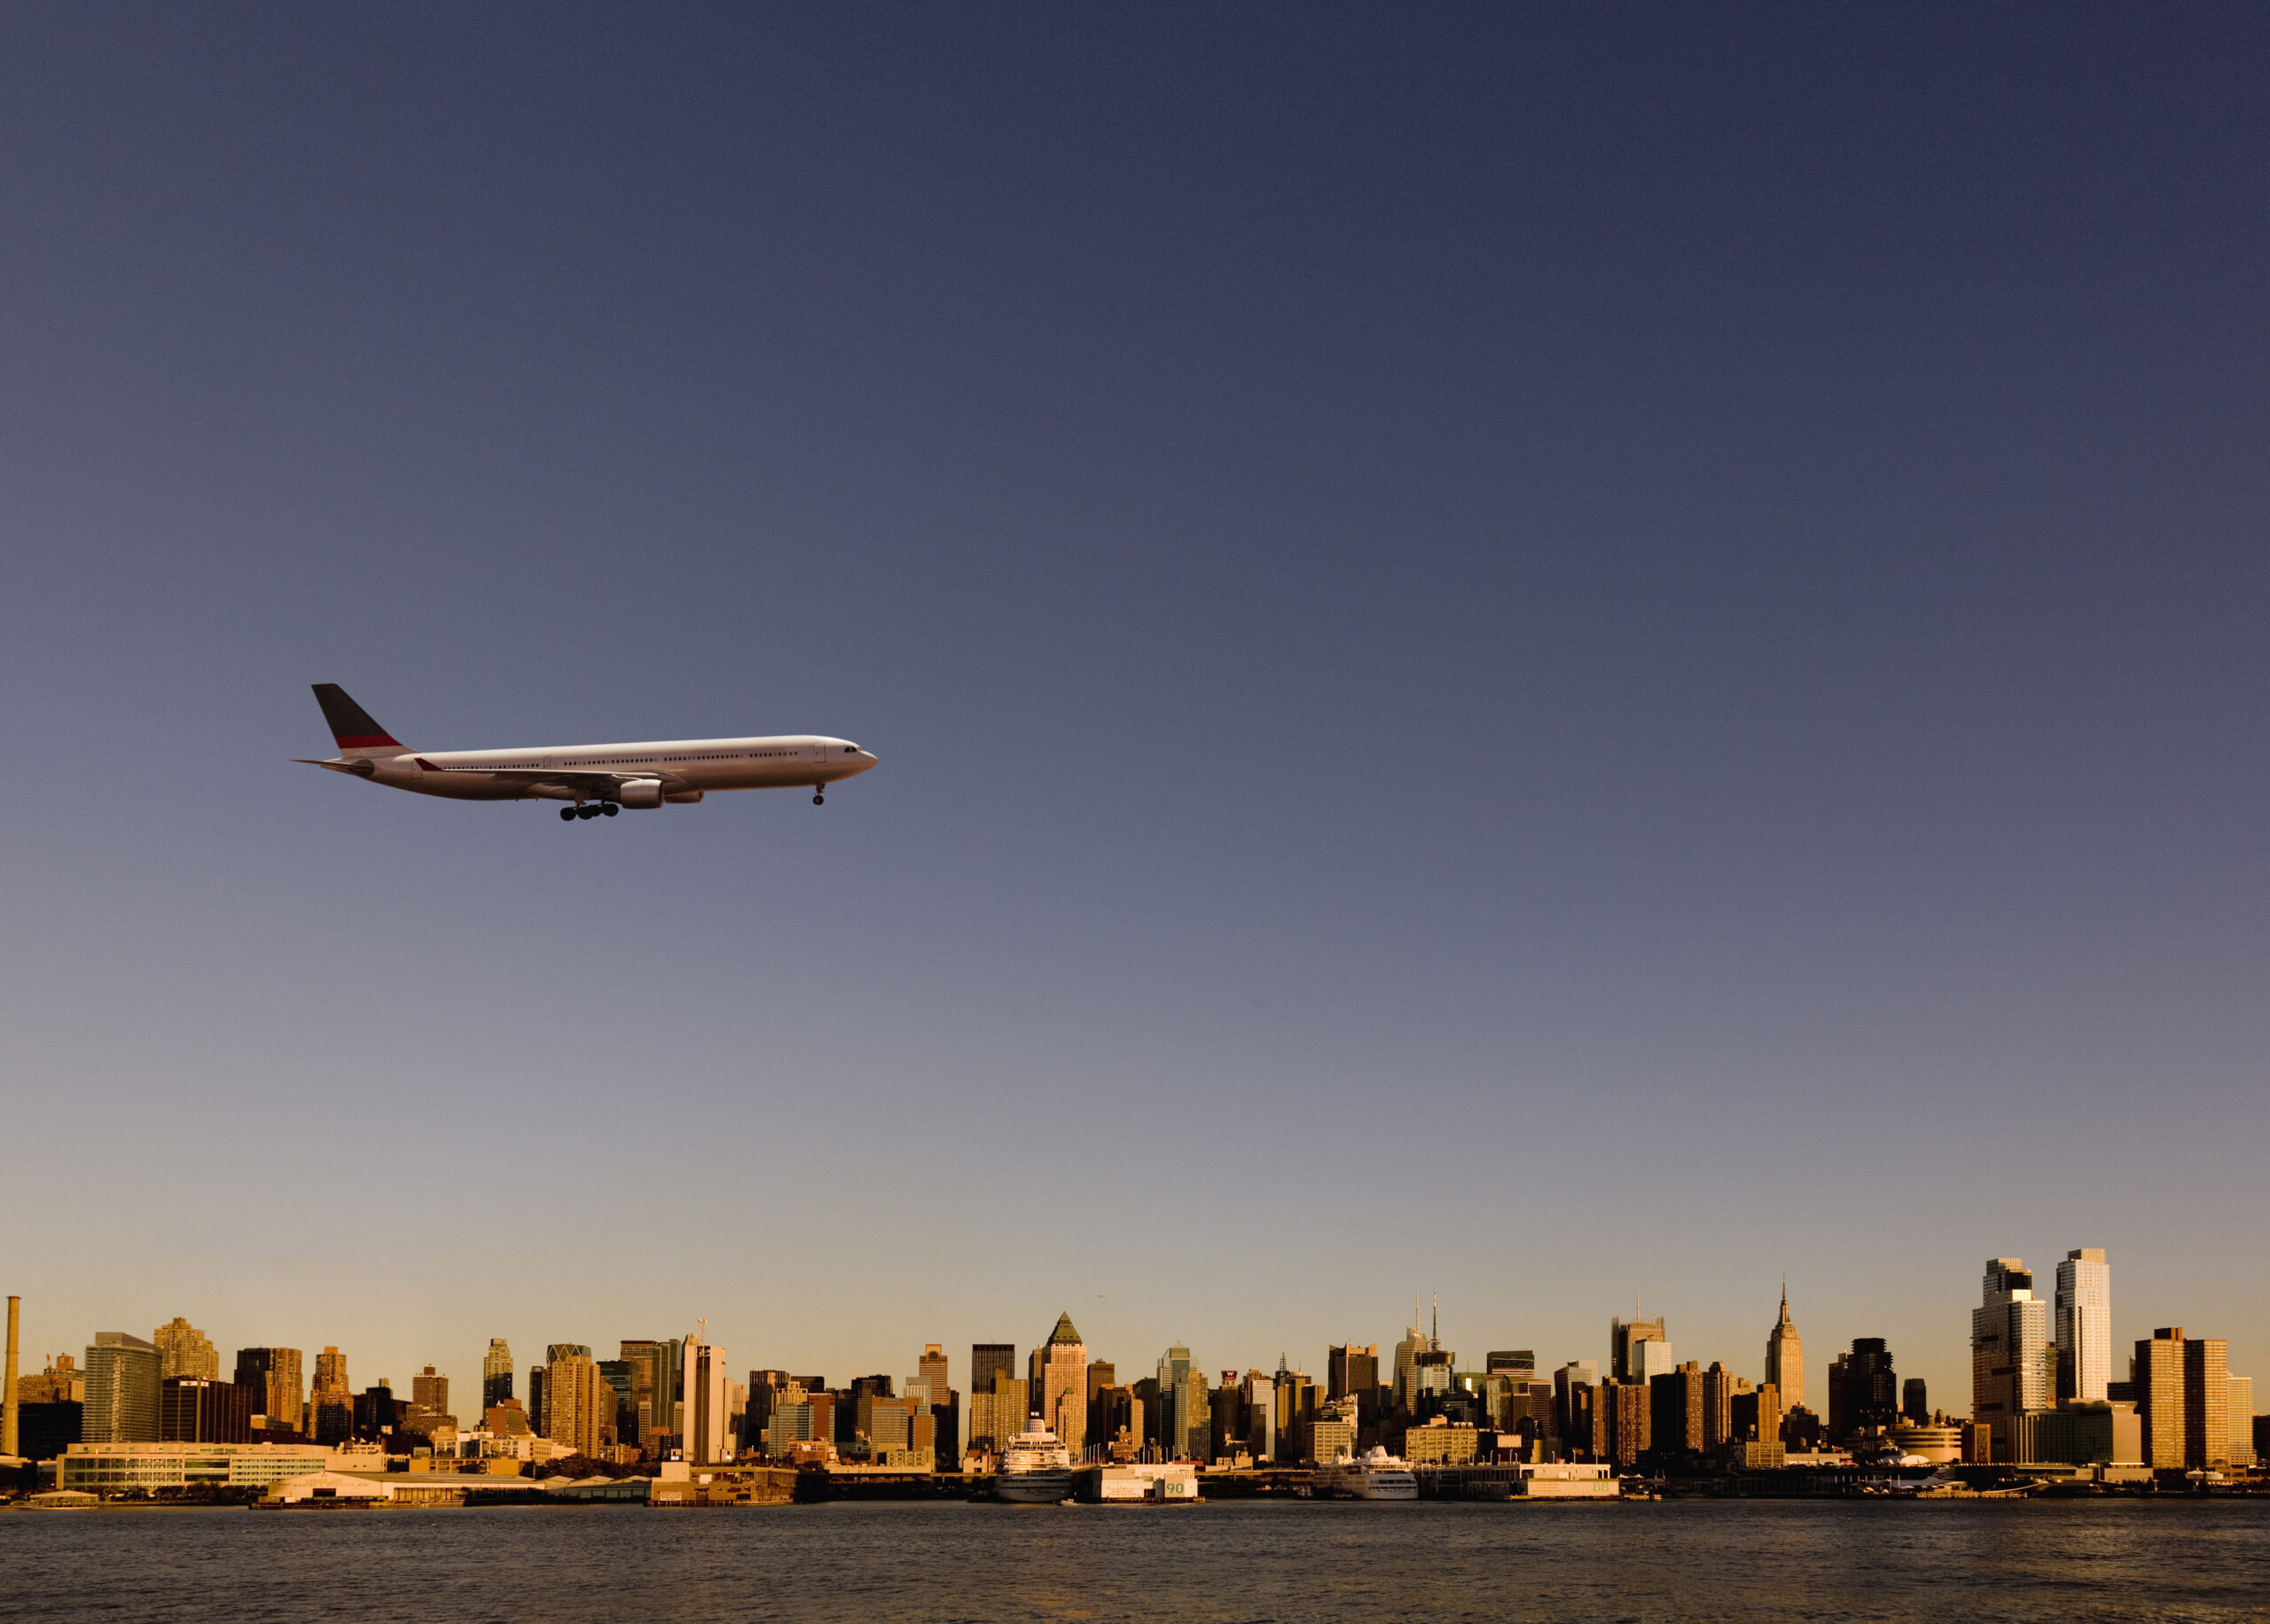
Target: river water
2174,1559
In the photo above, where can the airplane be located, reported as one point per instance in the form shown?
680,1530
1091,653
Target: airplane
599,779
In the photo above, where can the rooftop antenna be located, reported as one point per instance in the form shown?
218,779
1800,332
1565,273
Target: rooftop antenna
1434,1326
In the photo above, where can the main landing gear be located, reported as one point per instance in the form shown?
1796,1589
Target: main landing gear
816,796
568,815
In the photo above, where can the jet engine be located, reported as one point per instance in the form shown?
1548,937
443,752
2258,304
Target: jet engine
637,792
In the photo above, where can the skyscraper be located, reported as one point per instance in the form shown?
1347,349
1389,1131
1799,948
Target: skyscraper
495,1373
1625,1362
706,1412
2010,1359
2159,1397
121,1402
657,1371
1785,1356
1186,1417
2206,1404
578,1403
2084,1328
274,1375
332,1400
429,1393
1064,1385
990,1425
184,1350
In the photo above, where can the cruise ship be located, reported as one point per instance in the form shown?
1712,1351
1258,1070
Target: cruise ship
1376,1475
1036,1468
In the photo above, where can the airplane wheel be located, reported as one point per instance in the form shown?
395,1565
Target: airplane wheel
610,809
819,799
566,815
587,811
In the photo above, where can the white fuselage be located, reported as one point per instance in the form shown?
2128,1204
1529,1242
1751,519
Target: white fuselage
684,766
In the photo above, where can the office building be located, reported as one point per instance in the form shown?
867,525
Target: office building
184,1350
2206,1404
2083,1328
1756,1416
1675,1409
10,1399
1293,1396
705,1413
119,1468
2080,1433
993,1418
1183,1408
332,1401
1580,1417
200,1409
1720,1386
1624,1339
931,1367
2011,1361
61,1382
1352,1370
1629,1431
657,1376
1062,1385
1863,1390
429,1395
274,1374
1785,1356
1914,1402
2156,1380
578,1403
495,1373
121,1389
2241,1406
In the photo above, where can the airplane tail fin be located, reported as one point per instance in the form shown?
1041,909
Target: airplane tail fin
351,725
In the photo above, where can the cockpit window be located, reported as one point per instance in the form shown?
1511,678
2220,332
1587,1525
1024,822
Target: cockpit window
851,749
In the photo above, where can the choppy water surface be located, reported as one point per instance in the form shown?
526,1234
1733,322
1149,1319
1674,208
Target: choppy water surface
1297,1560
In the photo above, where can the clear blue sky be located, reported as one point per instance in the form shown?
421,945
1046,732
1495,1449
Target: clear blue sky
1512,651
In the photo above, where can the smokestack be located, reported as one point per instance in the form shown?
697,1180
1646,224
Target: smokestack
8,1418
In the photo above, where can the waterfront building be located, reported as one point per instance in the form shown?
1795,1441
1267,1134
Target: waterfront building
153,1466
495,1373
332,1400
2240,1409
1624,1339
2081,1434
198,1409
1442,1442
2011,1364
121,1389
2084,1325
274,1373
2157,1383
706,1415
184,1350
1324,1440
1937,1442
2206,1404
1785,1356
886,1423
1062,1363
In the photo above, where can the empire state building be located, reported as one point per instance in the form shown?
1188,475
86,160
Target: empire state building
1784,1357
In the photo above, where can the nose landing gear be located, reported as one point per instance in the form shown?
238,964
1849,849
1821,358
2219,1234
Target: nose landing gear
817,798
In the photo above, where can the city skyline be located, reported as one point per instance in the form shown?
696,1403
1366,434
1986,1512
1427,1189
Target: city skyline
1648,627
1951,1388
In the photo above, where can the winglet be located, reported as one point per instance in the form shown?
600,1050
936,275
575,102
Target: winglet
351,725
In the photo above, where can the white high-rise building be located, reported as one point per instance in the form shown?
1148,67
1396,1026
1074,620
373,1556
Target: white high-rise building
2084,1327
2011,1362
705,1406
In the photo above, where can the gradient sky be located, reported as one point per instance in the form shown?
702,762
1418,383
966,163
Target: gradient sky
1515,652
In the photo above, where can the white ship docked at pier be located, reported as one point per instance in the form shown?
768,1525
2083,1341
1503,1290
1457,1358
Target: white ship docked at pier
1036,1468
1375,1475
